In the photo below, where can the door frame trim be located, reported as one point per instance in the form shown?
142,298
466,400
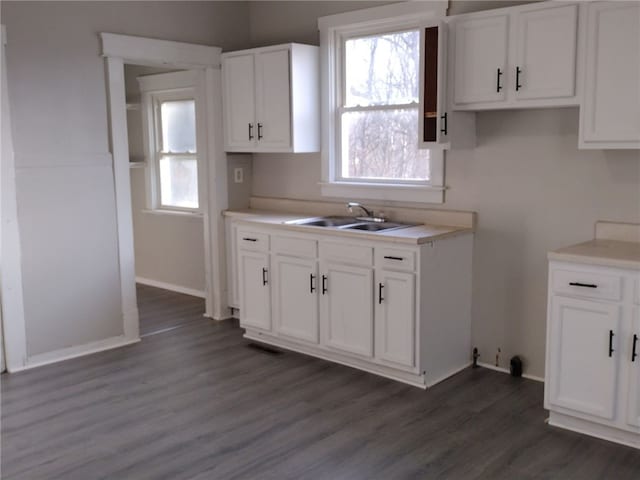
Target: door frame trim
119,50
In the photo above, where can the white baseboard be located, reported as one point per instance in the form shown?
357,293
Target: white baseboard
593,429
171,287
505,370
74,352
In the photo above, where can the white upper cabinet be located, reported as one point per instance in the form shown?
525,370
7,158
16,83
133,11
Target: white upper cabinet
271,99
240,92
610,114
273,106
440,126
515,58
480,59
545,59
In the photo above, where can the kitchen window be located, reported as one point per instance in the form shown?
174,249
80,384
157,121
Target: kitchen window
371,68
169,116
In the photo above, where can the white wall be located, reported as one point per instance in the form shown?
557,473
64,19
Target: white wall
65,188
532,188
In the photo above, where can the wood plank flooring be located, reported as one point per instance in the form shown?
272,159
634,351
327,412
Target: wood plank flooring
195,402
162,310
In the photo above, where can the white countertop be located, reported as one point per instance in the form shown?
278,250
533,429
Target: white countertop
605,252
411,235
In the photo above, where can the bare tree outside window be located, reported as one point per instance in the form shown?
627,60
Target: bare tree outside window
379,115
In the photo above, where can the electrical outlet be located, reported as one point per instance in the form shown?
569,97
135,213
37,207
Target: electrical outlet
238,175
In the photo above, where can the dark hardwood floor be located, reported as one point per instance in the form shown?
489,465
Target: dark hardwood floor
162,310
194,402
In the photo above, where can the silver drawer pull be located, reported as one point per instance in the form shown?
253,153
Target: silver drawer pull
584,285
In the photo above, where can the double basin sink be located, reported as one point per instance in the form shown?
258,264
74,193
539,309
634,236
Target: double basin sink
350,223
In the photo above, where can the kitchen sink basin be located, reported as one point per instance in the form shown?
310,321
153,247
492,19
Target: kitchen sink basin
376,227
334,221
349,223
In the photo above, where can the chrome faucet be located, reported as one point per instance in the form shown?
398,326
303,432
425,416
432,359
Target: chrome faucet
352,205
369,215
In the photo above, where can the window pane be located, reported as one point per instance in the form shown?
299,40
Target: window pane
383,144
382,70
178,120
178,182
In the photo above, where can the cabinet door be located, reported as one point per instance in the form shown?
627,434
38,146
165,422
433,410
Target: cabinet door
395,317
255,302
273,108
611,108
545,62
633,407
480,59
583,371
239,101
347,308
295,297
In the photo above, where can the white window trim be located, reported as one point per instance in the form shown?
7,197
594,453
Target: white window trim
333,30
166,87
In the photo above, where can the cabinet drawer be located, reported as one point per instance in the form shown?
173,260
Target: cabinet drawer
587,284
295,247
395,258
352,254
257,241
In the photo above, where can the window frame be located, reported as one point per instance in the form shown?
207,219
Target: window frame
156,89
157,98
335,30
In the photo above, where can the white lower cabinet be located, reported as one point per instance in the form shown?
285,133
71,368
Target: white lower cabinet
592,380
633,406
395,317
255,294
346,308
316,294
295,297
584,355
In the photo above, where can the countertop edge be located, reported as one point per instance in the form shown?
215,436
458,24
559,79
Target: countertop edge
591,260
254,217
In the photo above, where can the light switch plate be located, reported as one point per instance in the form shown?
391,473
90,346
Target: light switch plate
238,175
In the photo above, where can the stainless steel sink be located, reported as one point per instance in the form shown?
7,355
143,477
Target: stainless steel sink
376,227
349,223
331,221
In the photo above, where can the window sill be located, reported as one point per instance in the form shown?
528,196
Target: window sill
174,213
377,191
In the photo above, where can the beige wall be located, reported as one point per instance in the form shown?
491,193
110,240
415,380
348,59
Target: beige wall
65,187
532,188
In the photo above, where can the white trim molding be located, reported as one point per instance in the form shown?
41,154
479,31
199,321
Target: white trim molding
172,287
370,191
155,52
505,370
76,351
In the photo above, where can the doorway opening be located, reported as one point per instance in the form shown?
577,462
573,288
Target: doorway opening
203,65
164,127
